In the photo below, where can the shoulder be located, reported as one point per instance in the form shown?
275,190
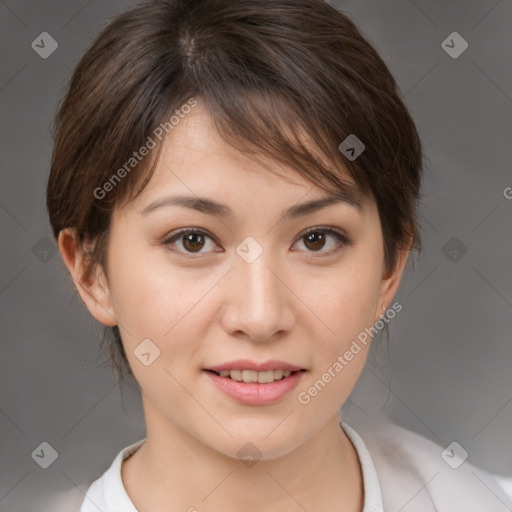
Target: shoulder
105,493
416,474
81,498
64,501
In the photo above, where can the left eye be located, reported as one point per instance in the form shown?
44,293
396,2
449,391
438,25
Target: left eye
193,240
316,237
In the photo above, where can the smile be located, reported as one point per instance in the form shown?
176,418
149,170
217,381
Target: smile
253,376
251,387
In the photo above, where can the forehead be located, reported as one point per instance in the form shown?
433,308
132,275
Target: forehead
198,171
195,158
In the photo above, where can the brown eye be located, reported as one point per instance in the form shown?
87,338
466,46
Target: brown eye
192,242
316,239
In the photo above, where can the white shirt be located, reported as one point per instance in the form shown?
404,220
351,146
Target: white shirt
405,472
108,494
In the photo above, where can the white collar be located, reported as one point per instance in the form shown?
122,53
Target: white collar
108,491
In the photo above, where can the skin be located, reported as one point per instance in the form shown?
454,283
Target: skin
293,303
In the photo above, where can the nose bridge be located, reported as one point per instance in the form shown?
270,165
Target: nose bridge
260,303
254,272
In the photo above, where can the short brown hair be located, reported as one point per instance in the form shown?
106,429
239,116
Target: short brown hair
268,72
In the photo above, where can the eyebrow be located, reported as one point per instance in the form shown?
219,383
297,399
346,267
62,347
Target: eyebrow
349,195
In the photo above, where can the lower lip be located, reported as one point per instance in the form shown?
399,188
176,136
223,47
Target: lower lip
254,393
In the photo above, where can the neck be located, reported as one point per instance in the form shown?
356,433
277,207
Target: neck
172,467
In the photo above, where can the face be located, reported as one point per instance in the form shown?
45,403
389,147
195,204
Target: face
242,287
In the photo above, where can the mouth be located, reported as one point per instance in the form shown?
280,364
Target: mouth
252,387
252,376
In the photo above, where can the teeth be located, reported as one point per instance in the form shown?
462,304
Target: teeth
252,376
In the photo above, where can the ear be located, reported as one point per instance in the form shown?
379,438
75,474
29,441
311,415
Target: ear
391,282
95,291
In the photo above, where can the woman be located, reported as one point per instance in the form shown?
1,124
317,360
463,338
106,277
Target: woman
233,189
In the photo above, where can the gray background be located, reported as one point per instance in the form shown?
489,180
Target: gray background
448,372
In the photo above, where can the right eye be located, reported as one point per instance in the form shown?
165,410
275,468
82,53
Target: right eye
192,241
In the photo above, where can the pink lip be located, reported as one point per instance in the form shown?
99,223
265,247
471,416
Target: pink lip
253,393
245,364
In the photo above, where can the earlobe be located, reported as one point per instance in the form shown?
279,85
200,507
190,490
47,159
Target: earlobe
94,289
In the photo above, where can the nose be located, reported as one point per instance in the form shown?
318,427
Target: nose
258,300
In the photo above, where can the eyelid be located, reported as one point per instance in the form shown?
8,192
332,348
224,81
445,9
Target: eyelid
342,238
326,229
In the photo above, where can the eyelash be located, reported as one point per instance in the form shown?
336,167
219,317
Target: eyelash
343,240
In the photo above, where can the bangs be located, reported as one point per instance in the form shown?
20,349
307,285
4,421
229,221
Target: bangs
270,129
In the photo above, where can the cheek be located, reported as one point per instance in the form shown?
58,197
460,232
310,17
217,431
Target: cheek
156,301
345,300
345,303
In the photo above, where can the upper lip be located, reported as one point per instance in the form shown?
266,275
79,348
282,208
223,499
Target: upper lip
245,364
